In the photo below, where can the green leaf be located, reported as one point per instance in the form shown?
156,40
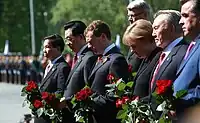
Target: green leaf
73,100
31,107
59,96
122,114
110,85
121,86
161,120
40,112
125,106
23,89
130,84
23,94
24,103
134,74
181,94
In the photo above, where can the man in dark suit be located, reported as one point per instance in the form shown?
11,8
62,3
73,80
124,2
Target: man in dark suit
74,34
137,10
57,70
77,79
167,33
112,62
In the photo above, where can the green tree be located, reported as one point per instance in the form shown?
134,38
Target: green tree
15,24
112,12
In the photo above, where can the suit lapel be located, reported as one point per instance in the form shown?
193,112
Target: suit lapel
190,54
105,58
53,69
141,69
99,64
75,67
166,63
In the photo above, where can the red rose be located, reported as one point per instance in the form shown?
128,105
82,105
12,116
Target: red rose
119,103
110,77
165,83
48,97
162,86
83,94
31,86
125,99
130,67
45,95
88,91
37,104
160,90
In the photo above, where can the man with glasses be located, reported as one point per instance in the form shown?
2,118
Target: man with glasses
77,79
137,9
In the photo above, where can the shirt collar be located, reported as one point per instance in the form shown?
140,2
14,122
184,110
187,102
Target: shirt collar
108,48
55,60
172,44
196,38
169,48
81,50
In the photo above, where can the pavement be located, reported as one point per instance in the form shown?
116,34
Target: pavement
11,110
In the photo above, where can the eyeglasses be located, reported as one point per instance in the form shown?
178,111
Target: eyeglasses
135,15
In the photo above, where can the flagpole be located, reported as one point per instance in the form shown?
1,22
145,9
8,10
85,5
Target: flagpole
32,27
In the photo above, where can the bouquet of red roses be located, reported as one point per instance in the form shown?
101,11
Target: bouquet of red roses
131,109
82,104
41,103
164,97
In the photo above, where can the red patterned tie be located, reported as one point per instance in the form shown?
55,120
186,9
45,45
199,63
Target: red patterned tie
75,58
189,49
162,56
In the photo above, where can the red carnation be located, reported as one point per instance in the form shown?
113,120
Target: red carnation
110,77
31,86
130,67
37,104
162,86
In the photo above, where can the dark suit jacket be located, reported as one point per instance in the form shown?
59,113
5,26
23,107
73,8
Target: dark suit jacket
54,82
77,77
115,63
169,68
143,75
133,60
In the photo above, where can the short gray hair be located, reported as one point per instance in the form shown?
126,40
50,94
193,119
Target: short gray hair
173,17
140,4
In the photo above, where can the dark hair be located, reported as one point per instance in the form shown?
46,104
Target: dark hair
77,27
99,27
196,6
56,41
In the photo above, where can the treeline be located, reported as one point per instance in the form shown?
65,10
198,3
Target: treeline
50,15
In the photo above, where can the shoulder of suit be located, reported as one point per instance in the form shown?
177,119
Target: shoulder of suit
63,64
115,55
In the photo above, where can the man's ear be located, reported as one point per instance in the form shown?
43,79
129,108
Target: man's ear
103,36
58,48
